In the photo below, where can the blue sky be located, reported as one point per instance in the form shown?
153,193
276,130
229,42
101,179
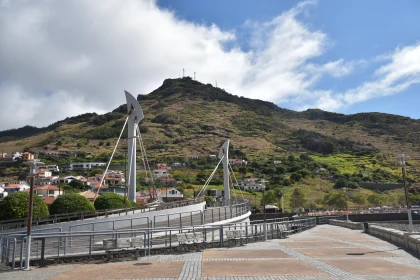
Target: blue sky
340,56
357,29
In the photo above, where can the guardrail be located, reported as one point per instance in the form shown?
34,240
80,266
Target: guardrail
50,247
53,219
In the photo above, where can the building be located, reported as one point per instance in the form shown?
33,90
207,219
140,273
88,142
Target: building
27,156
3,193
86,165
43,173
252,184
212,157
112,178
89,195
48,191
12,188
241,162
277,162
171,194
159,173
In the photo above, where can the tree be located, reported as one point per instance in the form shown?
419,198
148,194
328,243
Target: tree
269,197
112,200
376,199
71,203
15,206
340,183
298,199
359,199
335,199
278,192
78,185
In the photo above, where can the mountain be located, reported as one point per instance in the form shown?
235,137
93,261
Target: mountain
184,117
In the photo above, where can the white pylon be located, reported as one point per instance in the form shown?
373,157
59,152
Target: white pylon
135,116
224,153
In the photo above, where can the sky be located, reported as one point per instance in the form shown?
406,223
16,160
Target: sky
63,58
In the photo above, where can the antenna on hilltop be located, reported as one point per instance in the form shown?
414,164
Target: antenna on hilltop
216,83
183,72
194,75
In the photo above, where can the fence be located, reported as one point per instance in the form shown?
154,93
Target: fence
50,247
53,219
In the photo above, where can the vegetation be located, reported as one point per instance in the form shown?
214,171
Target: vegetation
71,203
112,200
15,206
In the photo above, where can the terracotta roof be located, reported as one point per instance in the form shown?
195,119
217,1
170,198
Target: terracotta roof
47,187
89,194
49,200
13,186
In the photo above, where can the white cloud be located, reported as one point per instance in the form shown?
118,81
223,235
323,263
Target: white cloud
400,71
62,58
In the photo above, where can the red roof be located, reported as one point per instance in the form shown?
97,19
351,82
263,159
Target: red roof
47,187
49,200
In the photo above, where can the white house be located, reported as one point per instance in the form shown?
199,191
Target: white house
3,194
86,165
251,184
159,173
12,188
172,194
277,162
43,173
48,191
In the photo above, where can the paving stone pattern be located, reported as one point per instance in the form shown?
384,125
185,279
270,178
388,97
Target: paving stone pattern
324,252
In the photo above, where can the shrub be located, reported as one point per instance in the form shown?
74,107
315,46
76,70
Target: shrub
71,203
112,200
15,206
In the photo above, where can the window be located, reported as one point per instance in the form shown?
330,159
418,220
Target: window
51,192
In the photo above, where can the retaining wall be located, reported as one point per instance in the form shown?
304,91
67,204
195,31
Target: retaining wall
351,225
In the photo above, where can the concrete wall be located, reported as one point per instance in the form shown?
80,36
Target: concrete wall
381,186
381,217
351,225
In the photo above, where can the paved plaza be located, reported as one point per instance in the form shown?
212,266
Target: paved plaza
324,252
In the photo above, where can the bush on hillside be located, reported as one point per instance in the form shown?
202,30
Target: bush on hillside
15,206
71,203
111,201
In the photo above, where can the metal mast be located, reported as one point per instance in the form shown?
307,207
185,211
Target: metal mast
224,153
135,116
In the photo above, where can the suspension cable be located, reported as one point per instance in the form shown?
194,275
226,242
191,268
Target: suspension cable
209,179
146,161
109,162
237,183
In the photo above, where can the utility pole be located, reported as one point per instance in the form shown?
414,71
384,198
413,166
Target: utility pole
29,225
345,201
407,199
263,181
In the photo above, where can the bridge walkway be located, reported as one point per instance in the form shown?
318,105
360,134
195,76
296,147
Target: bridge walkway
324,252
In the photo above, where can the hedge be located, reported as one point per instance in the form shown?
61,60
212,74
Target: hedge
15,206
111,201
71,203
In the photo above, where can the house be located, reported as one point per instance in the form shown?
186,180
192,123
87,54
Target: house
250,184
48,191
12,188
321,170
43,173
86,165
277,162
27,156
171,194
163,166
165,181
159,173
89,195
3,194
241,162
194,157
115,178
212,157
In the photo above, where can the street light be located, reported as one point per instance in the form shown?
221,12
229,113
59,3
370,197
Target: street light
345,201
265,224
401,158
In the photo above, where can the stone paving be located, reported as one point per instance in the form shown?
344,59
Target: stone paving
324,252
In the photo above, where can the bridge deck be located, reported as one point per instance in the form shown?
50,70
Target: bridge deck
324,252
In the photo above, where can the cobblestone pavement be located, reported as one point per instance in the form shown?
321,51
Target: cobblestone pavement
340,254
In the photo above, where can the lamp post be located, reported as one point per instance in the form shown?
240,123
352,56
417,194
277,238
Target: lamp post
345,201
407,199
265,224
